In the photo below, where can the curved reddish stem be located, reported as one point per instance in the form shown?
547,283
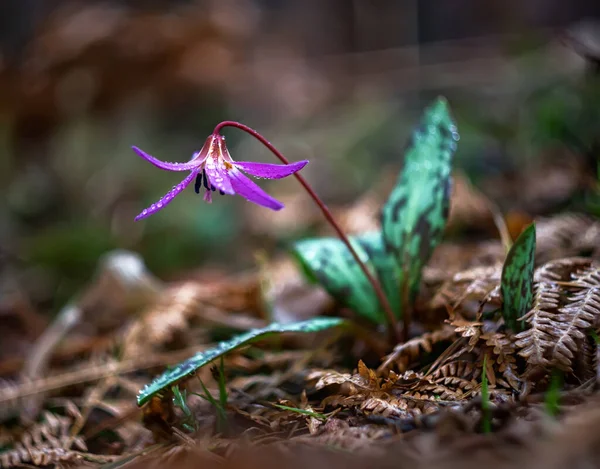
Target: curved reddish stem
372,280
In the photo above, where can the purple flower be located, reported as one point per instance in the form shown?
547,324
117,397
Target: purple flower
213,168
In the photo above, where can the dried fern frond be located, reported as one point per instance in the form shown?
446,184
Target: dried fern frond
49,442
386,407
400,406
409,404
474,284
11,394
409,352
341,400
565,235
468,329
451,378
401,396
557,330
539,338
408,380
456,369
381,403
169,318
501,350
561,270
159,324
574,319
366,380
585,366
587,277
437,391
460,385
327,377
383,396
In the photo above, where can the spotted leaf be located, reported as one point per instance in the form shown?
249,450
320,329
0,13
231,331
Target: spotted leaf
187,368
517,279
414,216
329,262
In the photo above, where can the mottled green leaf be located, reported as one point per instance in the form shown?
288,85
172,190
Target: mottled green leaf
186,368
517,279
329,262
414,217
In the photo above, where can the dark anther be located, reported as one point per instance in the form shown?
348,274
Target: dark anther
213,188
205,182
198,183
221,192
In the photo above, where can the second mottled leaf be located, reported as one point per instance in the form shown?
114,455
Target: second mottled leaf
329,262
517,279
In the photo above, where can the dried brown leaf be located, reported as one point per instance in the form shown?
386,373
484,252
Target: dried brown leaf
409,352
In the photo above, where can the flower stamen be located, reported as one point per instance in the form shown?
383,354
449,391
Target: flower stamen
198,183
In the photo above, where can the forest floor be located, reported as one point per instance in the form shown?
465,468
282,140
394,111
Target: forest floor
463,391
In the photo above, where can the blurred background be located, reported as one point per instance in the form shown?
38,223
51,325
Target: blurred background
338,82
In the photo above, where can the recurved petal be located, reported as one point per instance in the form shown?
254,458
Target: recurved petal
218,176
168,197
165,164
270,171
250,191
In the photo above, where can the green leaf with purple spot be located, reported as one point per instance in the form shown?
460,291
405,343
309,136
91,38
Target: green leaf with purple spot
414,217
517,279
187,368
